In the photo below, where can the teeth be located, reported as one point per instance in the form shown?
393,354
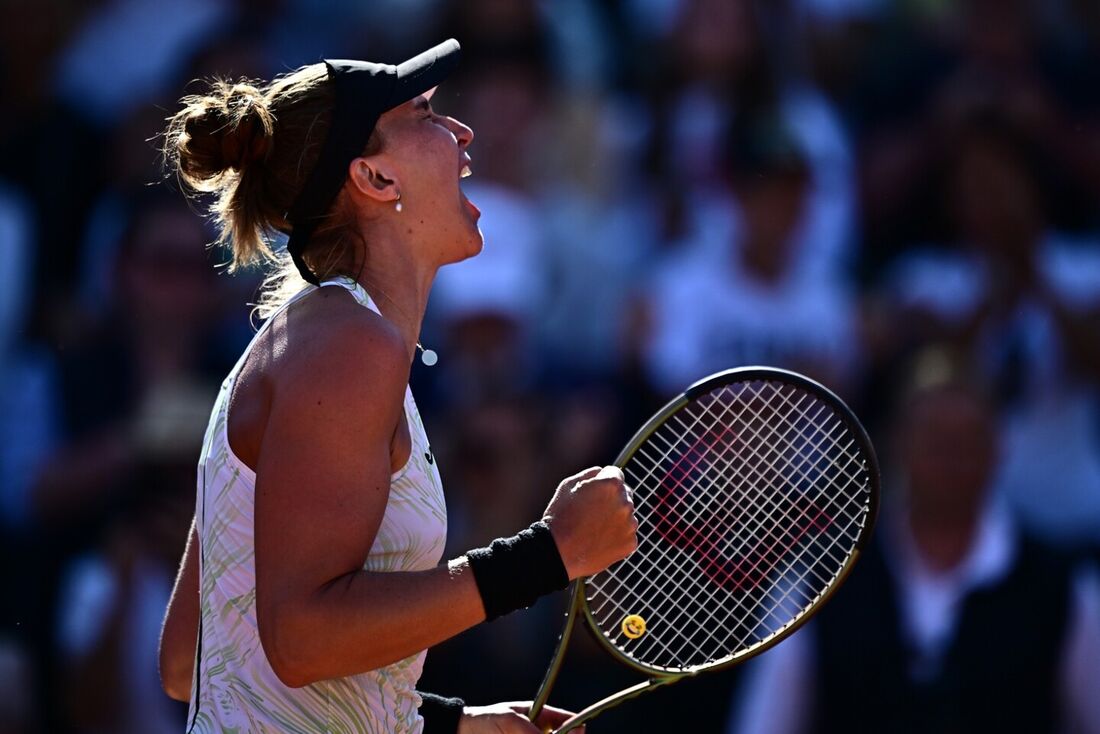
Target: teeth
465,172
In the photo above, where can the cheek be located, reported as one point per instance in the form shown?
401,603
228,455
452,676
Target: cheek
432,161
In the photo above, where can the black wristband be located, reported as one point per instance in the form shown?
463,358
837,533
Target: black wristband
512,573
440,714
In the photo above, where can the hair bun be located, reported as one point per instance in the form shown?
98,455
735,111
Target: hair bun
250,139
226,130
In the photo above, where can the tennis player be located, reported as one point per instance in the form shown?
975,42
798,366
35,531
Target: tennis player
311,585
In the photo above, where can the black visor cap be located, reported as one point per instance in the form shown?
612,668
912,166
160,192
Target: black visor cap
364,91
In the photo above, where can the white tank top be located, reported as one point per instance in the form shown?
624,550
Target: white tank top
236,690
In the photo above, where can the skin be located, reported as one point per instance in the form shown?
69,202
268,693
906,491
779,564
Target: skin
306,414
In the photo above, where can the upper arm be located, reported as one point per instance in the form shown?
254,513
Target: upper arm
322,475
181,625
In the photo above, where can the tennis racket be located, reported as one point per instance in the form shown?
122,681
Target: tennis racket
755,491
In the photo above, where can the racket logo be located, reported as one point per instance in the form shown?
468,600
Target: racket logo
715,527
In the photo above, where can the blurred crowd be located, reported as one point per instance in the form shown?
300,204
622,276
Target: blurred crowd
900,198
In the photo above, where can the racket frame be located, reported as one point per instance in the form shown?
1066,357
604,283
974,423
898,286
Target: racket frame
657,677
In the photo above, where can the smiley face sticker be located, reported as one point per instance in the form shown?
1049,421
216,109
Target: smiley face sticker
633,626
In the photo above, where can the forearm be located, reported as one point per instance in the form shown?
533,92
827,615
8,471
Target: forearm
365,620
361,620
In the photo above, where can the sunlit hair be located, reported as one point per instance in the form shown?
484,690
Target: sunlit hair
251,146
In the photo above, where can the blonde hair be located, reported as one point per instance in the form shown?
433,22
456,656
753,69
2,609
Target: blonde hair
252,146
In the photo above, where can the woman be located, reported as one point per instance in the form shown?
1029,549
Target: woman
320,520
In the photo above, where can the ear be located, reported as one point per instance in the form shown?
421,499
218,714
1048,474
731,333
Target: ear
373,178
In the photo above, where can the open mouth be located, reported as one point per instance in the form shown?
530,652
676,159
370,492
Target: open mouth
466,172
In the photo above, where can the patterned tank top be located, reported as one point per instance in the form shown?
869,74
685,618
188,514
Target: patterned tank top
235,688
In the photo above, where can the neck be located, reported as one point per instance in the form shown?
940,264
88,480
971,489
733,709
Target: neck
398,284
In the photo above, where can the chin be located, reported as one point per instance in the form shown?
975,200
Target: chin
470,246
475,241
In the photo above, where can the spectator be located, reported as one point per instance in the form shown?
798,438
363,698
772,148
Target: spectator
1025,301
112,602
723,69
931,77
124,391
752,294
944,156
932,630
142,386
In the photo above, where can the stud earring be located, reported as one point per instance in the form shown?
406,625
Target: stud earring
397,206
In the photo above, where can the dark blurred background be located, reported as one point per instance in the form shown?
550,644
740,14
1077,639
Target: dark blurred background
897,197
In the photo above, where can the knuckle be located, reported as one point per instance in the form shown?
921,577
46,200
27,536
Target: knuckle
608,488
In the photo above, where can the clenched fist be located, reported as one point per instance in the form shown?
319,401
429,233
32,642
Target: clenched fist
591,517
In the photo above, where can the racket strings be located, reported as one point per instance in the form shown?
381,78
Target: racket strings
750,500
712,596
671,446
776,539
761,528
763,557
761,520
795,467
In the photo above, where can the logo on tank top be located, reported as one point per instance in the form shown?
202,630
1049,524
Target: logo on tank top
429,456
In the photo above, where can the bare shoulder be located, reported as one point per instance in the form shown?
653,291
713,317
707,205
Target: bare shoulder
328,343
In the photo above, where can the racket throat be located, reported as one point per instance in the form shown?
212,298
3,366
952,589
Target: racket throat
559,652
614,700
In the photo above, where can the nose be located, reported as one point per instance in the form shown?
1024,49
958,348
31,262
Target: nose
461,131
